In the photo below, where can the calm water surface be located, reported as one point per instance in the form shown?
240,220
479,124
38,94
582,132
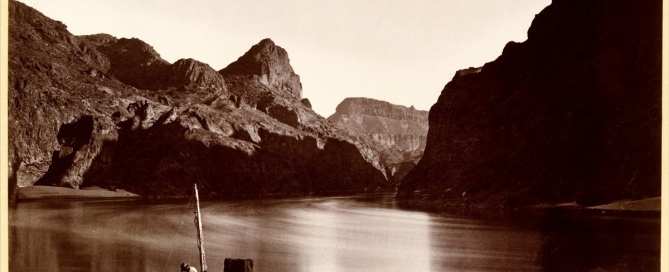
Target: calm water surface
361,233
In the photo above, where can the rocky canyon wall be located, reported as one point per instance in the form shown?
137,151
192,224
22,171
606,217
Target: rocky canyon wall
99,110
397,132
571,114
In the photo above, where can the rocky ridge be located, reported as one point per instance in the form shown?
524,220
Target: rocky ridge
111,113
137,64
398,133
571,114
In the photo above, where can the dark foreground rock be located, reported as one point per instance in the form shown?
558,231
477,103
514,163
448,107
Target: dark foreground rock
100,111
571,114
398,133
54,79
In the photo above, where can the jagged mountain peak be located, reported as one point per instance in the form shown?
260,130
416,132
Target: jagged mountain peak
268,64
259,60
267,42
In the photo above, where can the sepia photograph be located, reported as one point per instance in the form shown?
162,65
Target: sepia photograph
339,135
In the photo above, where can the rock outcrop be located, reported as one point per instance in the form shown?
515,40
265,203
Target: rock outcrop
398,133
54,79
264,68
137,64
80,143
571,114
263,79
97,110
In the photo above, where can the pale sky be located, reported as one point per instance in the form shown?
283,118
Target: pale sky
400,51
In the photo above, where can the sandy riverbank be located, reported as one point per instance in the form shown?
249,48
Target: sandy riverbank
35,192
648,204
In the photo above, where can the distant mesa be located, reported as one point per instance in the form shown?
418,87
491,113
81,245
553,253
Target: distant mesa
398,133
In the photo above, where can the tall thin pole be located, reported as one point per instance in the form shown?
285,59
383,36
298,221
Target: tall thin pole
200,237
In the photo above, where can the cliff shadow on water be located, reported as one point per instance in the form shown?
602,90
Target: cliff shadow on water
587,240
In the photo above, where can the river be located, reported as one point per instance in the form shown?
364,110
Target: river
354,233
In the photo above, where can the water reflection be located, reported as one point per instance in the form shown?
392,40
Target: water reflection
478,245
318,234
355,238
45,241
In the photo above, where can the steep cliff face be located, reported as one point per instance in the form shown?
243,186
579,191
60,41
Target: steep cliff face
163,150
97,110
263,79
54,79
391,126
398,133
571,114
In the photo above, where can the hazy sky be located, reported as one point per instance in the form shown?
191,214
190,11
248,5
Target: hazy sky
400,51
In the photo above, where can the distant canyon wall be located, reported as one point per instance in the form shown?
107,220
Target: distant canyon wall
398,133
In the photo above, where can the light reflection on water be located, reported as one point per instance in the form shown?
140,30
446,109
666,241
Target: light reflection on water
305,234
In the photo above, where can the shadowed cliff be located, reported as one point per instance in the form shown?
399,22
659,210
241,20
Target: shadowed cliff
571,114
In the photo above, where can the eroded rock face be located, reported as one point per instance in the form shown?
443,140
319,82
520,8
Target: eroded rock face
391,126
188,72
266,65
571,114
55,79
263,79
137,64
398,133
97,110
244,152
80,142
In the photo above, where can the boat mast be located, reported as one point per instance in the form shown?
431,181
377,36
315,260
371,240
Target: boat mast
200,237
